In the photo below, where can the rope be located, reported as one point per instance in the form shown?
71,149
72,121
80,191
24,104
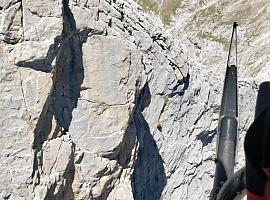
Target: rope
234,33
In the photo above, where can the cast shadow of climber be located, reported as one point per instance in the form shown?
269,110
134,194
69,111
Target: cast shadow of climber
181,86
56,115
149,177
206,137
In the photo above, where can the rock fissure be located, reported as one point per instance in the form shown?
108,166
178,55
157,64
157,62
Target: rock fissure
23,94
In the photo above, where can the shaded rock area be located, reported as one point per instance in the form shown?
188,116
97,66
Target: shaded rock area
83,86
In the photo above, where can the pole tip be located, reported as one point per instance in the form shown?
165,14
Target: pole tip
235,24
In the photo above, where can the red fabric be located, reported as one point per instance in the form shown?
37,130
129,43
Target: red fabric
251,196
257,149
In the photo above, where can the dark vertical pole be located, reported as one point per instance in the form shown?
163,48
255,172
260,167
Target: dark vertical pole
228,126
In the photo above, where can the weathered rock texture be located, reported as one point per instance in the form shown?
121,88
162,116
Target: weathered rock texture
83,85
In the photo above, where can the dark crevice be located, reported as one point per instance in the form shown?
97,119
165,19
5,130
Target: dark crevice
34,13
9,4
79,160
110,23
200,115
6,197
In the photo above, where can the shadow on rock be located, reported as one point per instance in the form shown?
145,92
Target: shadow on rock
149,177
206,137
181,86
67,78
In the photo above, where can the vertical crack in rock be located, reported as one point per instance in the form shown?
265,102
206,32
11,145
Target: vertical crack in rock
23,94
149,177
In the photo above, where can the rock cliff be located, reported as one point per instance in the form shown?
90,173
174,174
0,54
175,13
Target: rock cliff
85,83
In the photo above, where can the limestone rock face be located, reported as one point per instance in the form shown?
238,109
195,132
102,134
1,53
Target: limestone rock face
84,85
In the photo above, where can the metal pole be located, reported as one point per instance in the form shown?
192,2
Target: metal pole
228,126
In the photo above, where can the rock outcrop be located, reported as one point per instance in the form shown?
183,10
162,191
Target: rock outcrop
83,86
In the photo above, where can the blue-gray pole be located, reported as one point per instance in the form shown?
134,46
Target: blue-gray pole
228,125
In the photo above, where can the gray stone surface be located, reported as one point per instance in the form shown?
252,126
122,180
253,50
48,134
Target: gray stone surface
11,21
84,83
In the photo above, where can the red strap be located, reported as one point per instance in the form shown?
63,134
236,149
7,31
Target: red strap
251,196
267,171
